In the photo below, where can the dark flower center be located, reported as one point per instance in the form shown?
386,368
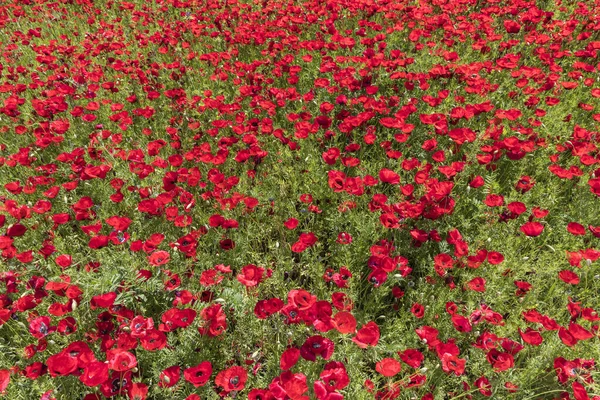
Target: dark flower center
117,384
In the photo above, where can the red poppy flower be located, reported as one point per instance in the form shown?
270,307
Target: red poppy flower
119,360
4,379
579,392
64,260
291,223
170,376
94,374
160,257
388,367
227,244
461,323
418,310
258,394
251,275
103,301
331,155
531,337
389,176
307,239
566,337
579,332
344,238
367,335
119,223
40,327
495,258
81,353
198,375
477,284
429,335
215,321
532,229
34,370
333,377
210,277
539,212
569,277
512,26
299,247
153,340
595,230
67,326
451,363
177,318
484,386
98,242
517,207
494,200
232,379
138,391
316,346
344,322
288,384
266,308
511,387
575,229
477,182
118,383
412,357
61,364
289,358
301,299
500,361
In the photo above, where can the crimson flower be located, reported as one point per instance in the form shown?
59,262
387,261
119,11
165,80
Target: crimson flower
388,367
251,275
412,357
4,379
367,336
289,358
232,379
138,391
316,346
532,229
94,374
119,360
170,376
451,363
198,375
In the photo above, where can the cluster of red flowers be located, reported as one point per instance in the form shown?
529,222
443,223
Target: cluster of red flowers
293,200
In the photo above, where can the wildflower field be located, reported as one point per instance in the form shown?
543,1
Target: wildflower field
288,200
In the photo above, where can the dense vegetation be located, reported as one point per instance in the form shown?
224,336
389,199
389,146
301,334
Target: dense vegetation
361,199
